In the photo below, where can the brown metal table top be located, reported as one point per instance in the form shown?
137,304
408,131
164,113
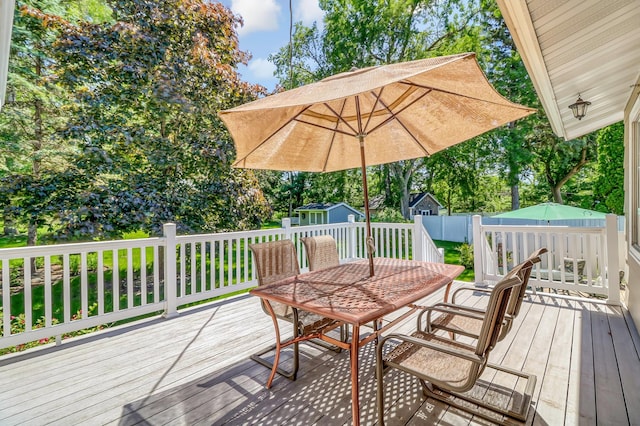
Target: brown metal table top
347,293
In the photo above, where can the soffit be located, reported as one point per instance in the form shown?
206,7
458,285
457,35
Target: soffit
573,47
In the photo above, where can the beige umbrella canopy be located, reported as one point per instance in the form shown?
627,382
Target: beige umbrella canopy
370,116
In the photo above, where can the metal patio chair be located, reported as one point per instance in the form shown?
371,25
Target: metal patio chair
322,252
275,261
447,368
467,321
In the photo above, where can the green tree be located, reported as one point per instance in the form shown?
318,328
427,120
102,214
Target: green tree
33,156
148,86
609,182
362,33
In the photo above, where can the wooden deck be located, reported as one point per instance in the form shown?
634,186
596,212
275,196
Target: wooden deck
195,369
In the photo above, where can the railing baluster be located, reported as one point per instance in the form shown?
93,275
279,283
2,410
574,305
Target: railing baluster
238,261
221,263
6,298
203,266
48,302
183,270
193,253
129,278
100,274
28,312
66,291
115,281
229,262
156,275
143,276
84,285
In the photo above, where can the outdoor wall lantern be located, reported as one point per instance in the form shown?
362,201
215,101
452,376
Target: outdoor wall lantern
579,109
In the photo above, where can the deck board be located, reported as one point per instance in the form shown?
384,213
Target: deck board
195,369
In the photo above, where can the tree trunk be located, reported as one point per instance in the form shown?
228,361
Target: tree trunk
403,171
557,194
9,224
515,197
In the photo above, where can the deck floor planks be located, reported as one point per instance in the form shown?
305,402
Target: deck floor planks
610,406
538,354
143,379
581,397
628,364
553,392
138,344
221,384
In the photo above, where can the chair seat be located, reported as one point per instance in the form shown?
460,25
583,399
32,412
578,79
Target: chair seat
439,366
311,322
458,324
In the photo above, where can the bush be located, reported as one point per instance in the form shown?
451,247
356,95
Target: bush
466,255
388,215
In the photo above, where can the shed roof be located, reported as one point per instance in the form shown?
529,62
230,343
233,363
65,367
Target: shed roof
416,198
327,207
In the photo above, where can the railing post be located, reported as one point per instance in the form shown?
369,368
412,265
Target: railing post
613,277
477,249
351,237
170,282
286,228
417,238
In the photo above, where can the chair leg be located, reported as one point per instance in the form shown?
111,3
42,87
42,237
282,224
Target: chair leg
291,375
380,384
274,365
519,412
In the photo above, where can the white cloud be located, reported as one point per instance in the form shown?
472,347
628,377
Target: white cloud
259,15
308,11
261,68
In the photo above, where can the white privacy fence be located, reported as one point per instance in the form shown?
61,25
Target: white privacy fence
578,258
58,289
459,228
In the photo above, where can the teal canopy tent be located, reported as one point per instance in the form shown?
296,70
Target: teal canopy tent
551,211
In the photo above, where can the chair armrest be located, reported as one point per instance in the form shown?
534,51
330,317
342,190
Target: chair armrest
451,309
469,356
475,289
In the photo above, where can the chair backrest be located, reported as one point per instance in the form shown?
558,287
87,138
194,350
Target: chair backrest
274,261
322,252
522,271
494,314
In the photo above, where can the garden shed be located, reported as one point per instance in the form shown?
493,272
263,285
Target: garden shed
425,204
322,213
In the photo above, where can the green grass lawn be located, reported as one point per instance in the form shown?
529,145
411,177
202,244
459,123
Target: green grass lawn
452,255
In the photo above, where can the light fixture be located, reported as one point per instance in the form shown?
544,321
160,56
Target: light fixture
579,108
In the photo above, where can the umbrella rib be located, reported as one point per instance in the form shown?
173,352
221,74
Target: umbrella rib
272,135
333,137
324,127
373,109
395,116
339,117
511,105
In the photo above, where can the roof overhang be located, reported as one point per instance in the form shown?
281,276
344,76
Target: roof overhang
572,47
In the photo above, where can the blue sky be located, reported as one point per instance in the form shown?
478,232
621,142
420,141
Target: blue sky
266,30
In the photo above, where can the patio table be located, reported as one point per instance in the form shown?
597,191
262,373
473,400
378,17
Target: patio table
349,295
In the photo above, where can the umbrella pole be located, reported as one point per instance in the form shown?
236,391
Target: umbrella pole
369,243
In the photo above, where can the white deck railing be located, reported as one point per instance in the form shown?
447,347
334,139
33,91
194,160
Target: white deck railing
116,280
577,260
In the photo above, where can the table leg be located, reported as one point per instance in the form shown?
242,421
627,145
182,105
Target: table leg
355,389
446,292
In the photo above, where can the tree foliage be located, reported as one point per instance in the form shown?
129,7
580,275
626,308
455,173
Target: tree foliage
609,183
151,148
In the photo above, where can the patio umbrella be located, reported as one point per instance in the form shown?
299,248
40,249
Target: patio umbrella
551,211
369,116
